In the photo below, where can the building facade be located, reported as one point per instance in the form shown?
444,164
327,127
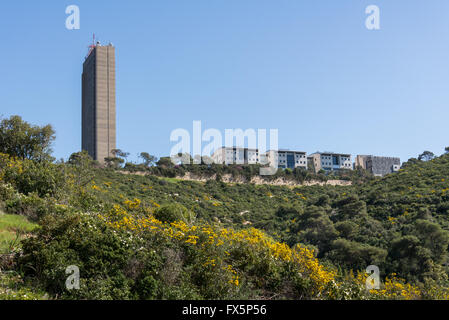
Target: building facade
360,162
236,155
378,166
329,161
98,102
287,158
281,158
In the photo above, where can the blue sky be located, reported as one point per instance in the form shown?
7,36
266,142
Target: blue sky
308,68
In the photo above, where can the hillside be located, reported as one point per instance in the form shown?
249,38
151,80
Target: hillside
145,237
351,226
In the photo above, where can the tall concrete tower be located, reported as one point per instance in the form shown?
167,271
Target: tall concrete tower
98,102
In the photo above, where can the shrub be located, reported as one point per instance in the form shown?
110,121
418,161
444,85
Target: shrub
28,176
173,212
31,206
75,239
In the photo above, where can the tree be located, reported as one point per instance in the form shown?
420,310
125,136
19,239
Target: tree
20,139
351,207
114,162
148,159
347,229
118,158
433,237
446,150
120,154
165,162
408,257
82,164
356,255
81,158
314,227
426,156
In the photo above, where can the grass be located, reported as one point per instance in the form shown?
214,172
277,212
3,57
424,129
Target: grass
174,180
12,287
12,229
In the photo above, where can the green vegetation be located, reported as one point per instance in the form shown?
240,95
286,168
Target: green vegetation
165,168
12,287
351,226
20,139
13,228
156,237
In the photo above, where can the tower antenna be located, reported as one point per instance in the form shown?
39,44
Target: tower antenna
92,46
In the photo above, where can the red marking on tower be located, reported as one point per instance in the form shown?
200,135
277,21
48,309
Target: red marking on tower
92,46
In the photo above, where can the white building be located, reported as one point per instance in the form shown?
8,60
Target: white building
287,158
236,155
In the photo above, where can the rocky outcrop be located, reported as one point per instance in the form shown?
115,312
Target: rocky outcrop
228,178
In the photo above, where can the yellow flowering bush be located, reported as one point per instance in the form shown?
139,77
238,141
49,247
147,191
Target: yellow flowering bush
222,243
221,246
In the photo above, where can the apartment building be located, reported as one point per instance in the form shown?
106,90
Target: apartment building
287,158
329,161
378,166
281,158
236,155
